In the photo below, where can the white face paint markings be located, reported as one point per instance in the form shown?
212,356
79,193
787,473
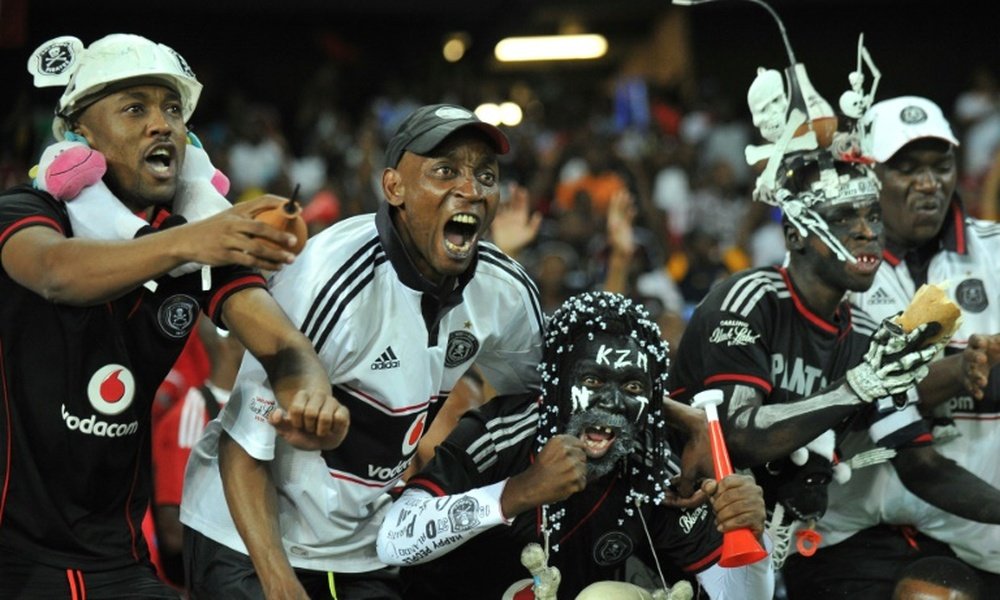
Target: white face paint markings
580,396
602,355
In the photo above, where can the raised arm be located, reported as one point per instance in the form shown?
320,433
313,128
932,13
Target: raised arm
894,363
411,532
311,418
756,433
84,272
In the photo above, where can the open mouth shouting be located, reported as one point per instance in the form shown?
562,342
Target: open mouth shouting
598,440
161,160
460,235
601,432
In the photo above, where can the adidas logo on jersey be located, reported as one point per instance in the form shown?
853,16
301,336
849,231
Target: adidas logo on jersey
387,360
880,296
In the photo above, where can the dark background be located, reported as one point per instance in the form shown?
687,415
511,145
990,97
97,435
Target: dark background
267,49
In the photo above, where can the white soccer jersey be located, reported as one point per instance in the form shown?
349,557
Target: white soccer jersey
969,264
393,348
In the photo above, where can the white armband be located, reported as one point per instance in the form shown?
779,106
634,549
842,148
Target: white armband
755,580
420,527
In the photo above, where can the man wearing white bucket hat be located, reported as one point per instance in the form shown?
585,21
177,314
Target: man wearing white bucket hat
84,343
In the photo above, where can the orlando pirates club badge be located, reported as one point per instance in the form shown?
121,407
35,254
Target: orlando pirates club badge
462,346
177,315
971,295
612,548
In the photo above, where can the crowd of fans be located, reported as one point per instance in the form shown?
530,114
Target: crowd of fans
679,158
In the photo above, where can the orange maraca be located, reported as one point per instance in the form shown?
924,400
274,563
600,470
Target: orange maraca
287,217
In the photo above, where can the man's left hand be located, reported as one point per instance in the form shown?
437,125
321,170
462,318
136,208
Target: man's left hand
314,421
738,503
696,458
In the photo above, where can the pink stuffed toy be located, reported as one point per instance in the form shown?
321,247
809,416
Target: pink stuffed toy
73,172
74,167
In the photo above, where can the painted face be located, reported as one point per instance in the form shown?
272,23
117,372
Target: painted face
141,132
917,185
608,388
858,226
446,202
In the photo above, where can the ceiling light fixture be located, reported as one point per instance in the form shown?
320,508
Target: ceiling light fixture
551,47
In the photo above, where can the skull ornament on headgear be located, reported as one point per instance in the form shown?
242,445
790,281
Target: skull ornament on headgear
577,322
844,174
89,73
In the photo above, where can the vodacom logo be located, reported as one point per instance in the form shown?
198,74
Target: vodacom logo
111,389
413,435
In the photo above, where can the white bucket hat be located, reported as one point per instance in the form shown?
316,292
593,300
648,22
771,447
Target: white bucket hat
891,124
91,73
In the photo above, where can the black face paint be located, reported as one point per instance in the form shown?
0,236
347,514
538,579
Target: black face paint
619,391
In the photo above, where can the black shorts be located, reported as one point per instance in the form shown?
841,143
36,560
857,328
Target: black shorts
862,567
28,580
216,571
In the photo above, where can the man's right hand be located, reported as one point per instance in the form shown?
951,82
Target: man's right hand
559,471
233,237
895,361
980,356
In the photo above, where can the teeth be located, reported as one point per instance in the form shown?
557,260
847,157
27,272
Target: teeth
161,152
458,249
465,219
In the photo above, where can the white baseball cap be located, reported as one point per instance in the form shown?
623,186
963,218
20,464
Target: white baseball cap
91,73
891,124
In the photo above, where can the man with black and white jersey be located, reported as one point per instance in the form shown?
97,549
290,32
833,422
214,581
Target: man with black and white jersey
929,239
398,305
84,343
795,361
581,469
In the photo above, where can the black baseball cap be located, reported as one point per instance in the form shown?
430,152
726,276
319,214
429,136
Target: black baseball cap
429,125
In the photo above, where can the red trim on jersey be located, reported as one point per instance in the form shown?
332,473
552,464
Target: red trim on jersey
733,377
597,505
158,218
890,258
128,512
346,477
9,451
678,392
77,588
138,303
28,222
805,312
427,485
711,558
959,229
229,287
923,438
383,406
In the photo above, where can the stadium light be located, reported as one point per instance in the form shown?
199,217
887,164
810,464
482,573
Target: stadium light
551,47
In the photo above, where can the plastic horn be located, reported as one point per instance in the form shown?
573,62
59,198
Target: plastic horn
739,546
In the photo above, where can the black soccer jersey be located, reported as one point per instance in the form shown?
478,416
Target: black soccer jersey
78,383
594,540
754,329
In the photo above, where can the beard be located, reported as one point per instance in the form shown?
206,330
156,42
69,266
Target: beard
623,445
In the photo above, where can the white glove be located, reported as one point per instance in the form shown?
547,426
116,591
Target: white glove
895,361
